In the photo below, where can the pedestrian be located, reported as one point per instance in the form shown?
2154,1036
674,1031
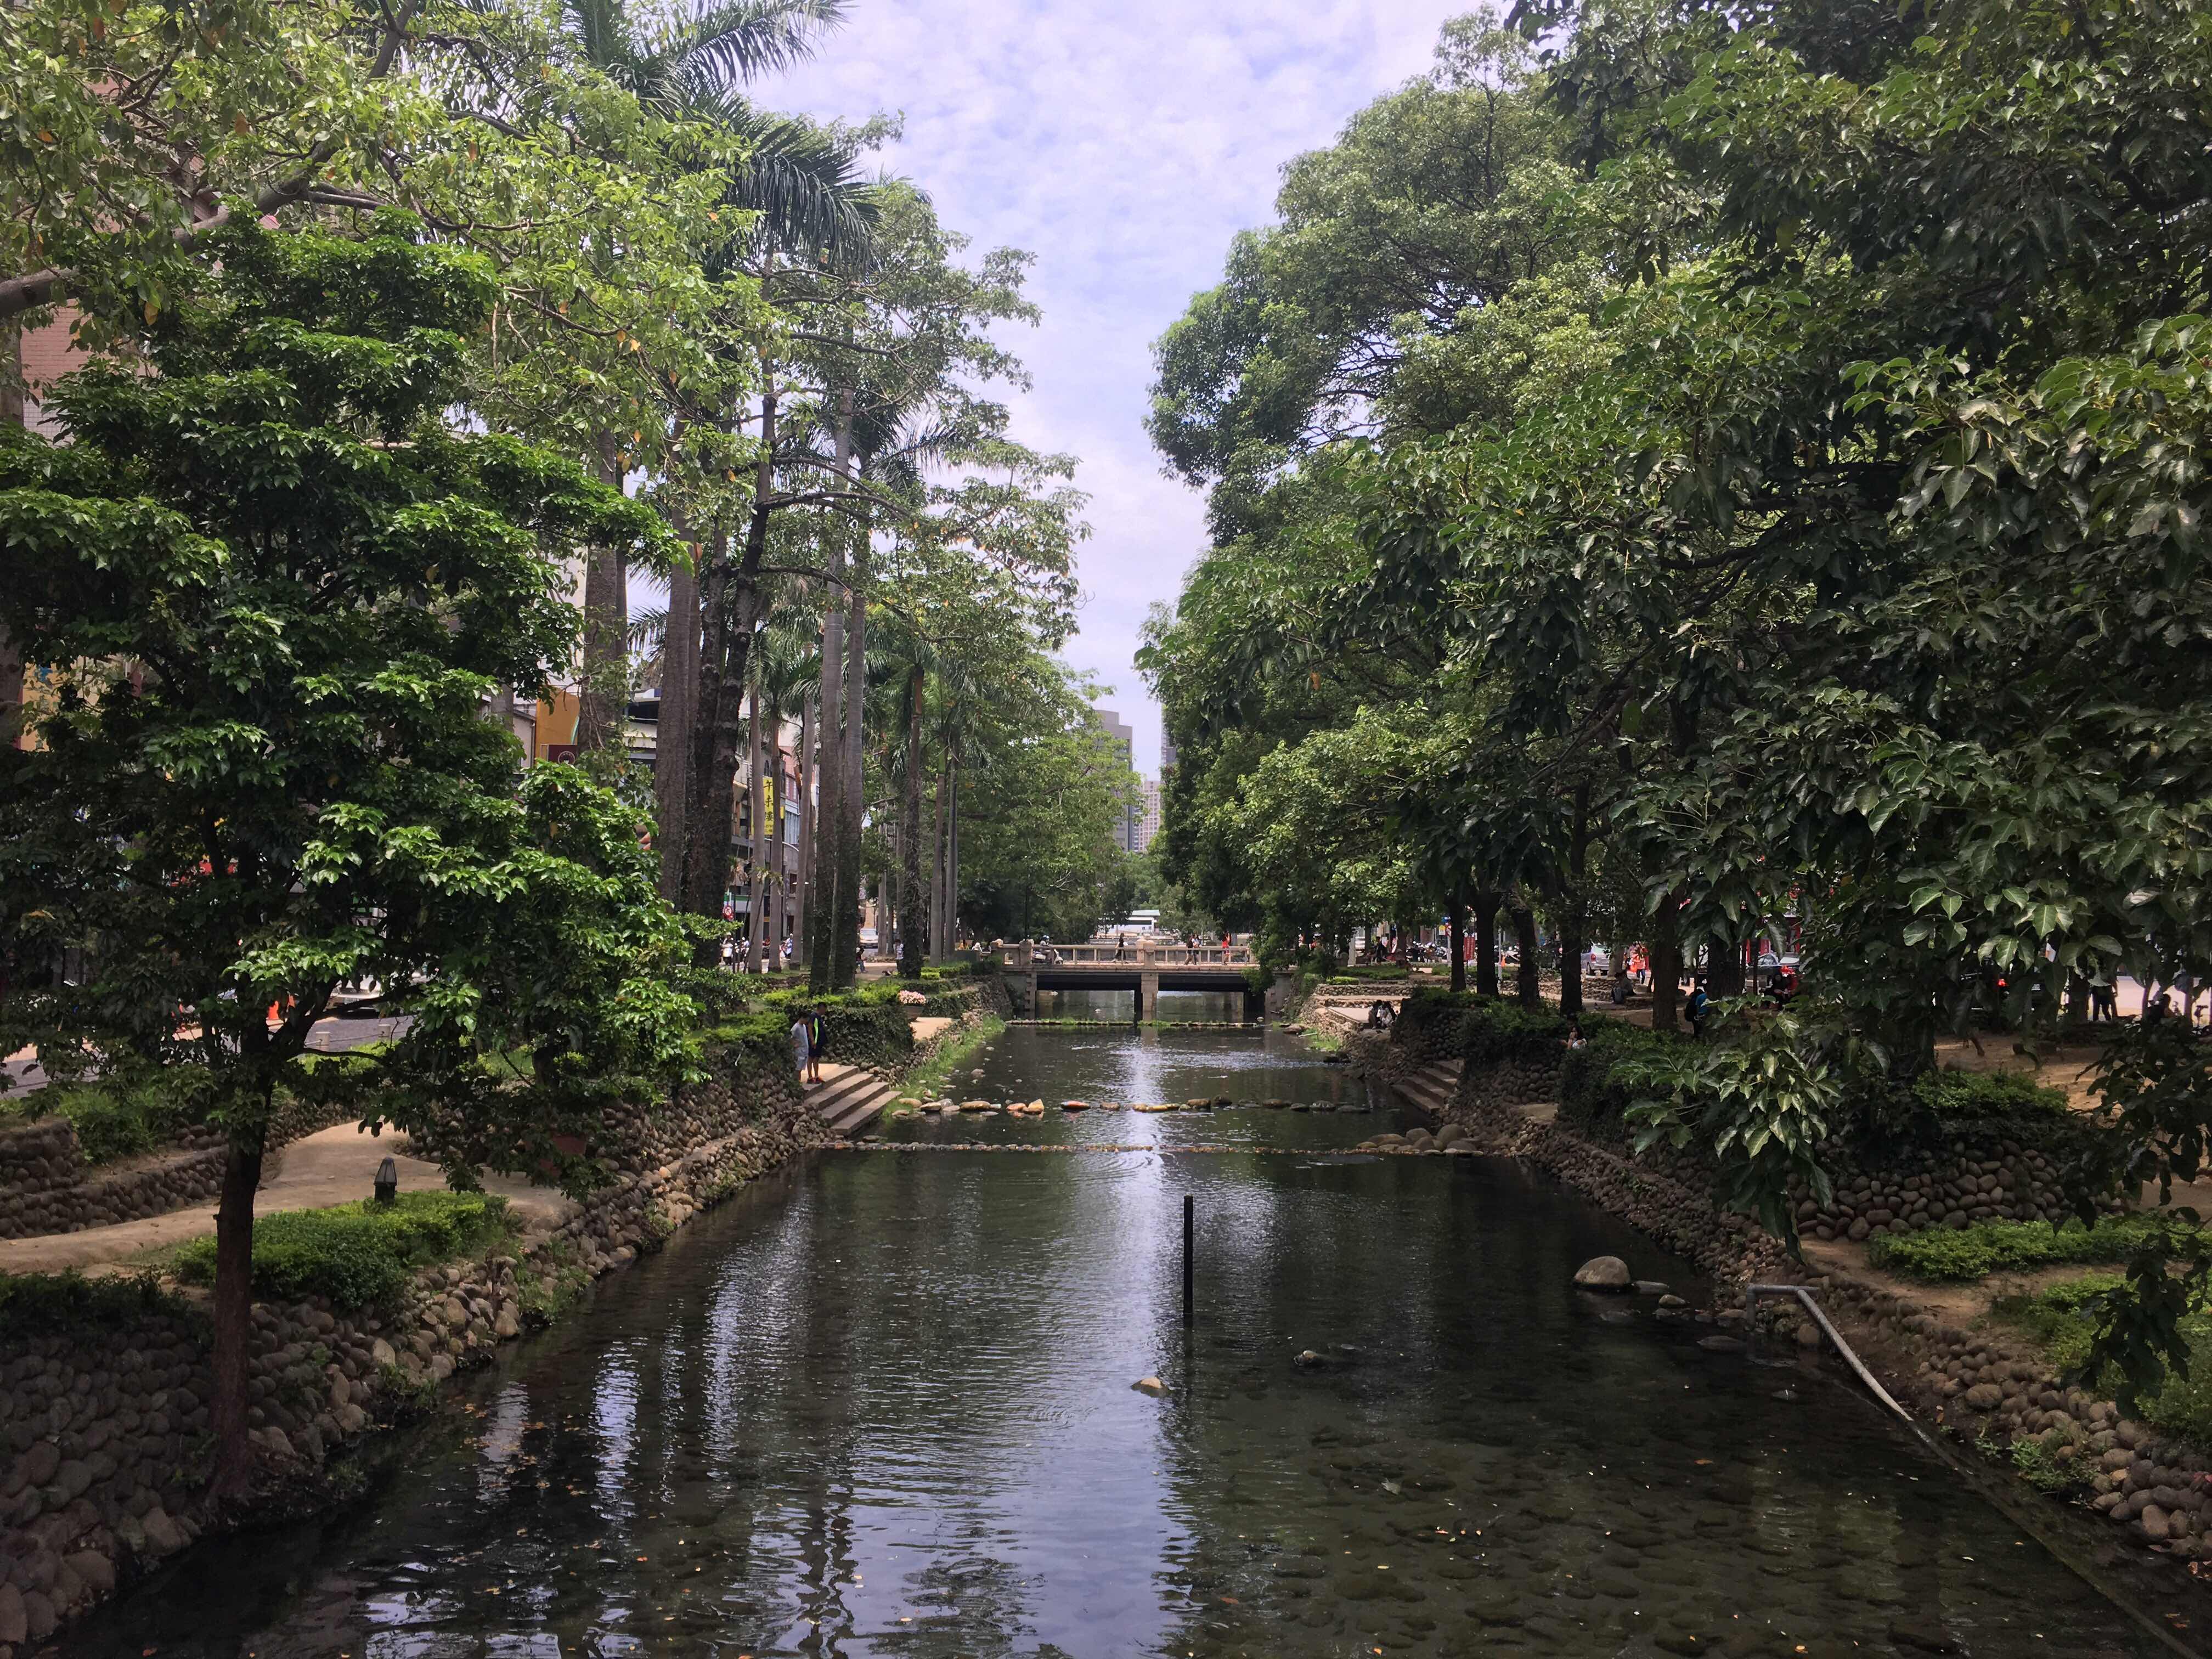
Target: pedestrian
2104,1001
817,1040
1575,1037
1696,1009
1121,947
801,1042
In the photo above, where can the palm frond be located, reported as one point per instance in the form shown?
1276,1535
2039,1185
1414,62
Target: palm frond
722,44
802,179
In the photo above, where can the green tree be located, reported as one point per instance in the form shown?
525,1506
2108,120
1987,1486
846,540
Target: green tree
277,586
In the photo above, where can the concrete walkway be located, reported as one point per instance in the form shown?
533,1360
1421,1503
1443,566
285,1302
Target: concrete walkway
333,1166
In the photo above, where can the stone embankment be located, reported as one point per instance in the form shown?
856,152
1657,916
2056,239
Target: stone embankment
2002,1396
106,1432
47,1187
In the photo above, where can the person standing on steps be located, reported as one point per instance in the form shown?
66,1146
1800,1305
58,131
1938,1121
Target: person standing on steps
801,1035
816,1033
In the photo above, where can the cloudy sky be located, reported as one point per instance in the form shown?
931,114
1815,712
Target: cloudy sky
1123,143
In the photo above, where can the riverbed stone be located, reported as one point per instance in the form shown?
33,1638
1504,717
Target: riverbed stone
39,1616
1603,1272
41,1461
14,1627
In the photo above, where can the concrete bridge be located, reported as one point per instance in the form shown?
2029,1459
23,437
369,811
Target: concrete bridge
1145,968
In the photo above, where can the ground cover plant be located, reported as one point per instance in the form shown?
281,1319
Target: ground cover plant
358,1254
1966,1253
2062,1320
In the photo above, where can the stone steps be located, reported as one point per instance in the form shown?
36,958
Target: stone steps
849,1098
1430,1088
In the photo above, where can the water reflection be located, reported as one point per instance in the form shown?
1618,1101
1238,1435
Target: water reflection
881,1405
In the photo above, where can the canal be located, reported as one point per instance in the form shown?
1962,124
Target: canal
881,1403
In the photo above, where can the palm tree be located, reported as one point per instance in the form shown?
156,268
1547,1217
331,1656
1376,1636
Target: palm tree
796,177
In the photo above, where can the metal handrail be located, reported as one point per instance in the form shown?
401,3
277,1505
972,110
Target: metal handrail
1751,1295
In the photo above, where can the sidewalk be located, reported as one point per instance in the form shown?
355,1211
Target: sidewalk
333,1166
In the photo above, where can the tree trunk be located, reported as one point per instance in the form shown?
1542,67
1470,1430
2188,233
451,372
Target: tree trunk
1486,903
778,873
1528,985
1724,977
671,755
854,798
757,846
1666,964
832,870
715,748
233,1315
1458,944
1573,932
952,854
801,889
939,858
914,929
603,692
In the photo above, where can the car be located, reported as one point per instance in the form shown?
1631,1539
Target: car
1597,962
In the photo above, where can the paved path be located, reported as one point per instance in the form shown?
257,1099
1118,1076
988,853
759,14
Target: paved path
331,1166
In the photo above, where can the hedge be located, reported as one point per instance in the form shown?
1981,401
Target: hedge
1988,1247
358,1254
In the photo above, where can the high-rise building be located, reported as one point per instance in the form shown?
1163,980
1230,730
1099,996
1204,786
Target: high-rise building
1121,740
1148,816
1167,751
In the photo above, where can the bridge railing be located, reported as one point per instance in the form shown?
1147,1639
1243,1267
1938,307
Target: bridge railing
1128,957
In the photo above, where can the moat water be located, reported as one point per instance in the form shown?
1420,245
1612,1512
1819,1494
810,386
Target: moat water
880,1403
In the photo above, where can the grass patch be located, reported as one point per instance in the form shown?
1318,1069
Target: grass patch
60,1304
2055,1321
927,1080
358,1254
1990,1246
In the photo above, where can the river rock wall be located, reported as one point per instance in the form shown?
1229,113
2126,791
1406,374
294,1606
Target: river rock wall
46,1187
2002,1396
103,1450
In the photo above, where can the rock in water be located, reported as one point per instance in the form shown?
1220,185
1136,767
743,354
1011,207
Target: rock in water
1306,1358
1075,1105
1650,1288
1150,1385
1602,1273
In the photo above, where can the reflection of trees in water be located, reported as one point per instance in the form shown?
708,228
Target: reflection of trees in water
914,1371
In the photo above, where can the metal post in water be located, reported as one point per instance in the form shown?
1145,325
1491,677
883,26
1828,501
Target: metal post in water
1189,1209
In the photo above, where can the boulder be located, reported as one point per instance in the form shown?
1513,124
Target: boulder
40,1463
97,1572
163,1535
1075,1105
1150,1385
14,1628
1649,1287
1602,1273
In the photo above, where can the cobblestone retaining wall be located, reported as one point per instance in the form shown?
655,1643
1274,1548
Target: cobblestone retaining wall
104,1455
46,1187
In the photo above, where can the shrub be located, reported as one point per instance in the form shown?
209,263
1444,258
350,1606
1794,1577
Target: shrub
1592,1096
55,1304
120,1117
1968,1097
1492,1031
1988,1247
357,1254
2055,1320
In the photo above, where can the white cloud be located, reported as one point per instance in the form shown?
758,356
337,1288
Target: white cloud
1124,145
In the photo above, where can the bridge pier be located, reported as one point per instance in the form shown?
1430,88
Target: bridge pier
1148,995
